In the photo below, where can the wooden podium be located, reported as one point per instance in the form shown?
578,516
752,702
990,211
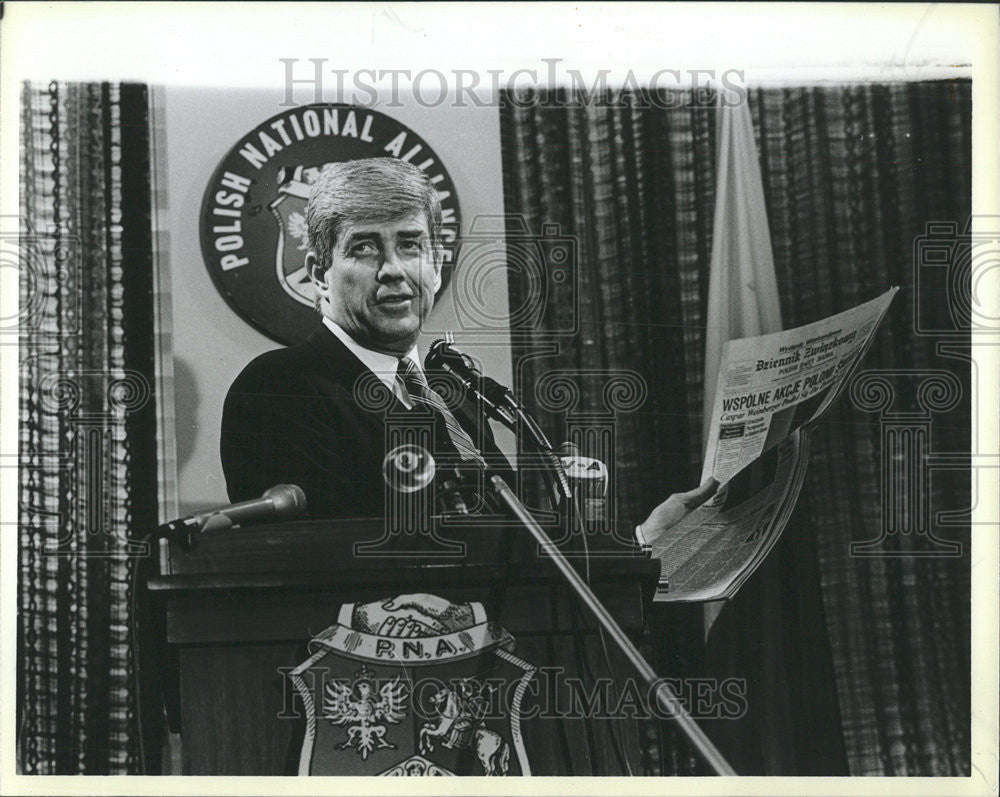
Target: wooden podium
239,610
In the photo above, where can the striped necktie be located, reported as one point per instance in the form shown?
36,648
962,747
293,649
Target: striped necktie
422,394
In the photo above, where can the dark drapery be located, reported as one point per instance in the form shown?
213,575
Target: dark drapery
856,660
88,462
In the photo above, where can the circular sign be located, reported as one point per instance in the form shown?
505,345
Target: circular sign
253,228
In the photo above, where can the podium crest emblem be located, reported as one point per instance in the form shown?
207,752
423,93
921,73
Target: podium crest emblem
413,685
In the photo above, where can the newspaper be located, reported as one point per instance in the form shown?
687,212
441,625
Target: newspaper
773,384
771,388
709,554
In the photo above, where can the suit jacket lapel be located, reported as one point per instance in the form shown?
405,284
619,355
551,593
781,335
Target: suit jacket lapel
347,369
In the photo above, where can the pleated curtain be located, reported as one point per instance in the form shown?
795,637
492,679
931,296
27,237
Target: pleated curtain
855,178
88,462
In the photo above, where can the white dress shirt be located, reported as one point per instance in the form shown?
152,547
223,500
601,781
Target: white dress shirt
383,365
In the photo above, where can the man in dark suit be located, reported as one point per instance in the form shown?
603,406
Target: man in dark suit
316,414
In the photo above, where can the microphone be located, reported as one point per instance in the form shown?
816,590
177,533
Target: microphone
410,468
588,478
500,404
282,500
498,401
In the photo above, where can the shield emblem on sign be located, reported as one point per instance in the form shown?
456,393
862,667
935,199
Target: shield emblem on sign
289,209
413,685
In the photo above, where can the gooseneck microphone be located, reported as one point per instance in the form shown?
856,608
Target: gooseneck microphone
499,403
280,501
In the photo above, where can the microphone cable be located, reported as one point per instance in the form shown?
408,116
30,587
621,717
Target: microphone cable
133,624
616,742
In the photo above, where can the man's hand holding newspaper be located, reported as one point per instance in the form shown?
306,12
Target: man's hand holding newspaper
771,388
672,511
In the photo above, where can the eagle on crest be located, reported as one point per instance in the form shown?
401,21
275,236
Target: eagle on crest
365,709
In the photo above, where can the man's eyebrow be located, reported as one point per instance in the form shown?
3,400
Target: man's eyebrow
361,235
415,233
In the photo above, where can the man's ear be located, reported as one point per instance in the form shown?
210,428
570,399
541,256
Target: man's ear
316,272
438,261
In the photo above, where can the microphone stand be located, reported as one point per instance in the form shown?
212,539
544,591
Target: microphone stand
500,403
665,697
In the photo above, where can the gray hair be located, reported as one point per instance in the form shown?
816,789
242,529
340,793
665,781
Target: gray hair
369,189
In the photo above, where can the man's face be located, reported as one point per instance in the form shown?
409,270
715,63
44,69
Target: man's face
381,281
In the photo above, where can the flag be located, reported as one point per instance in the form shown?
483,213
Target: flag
742,286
